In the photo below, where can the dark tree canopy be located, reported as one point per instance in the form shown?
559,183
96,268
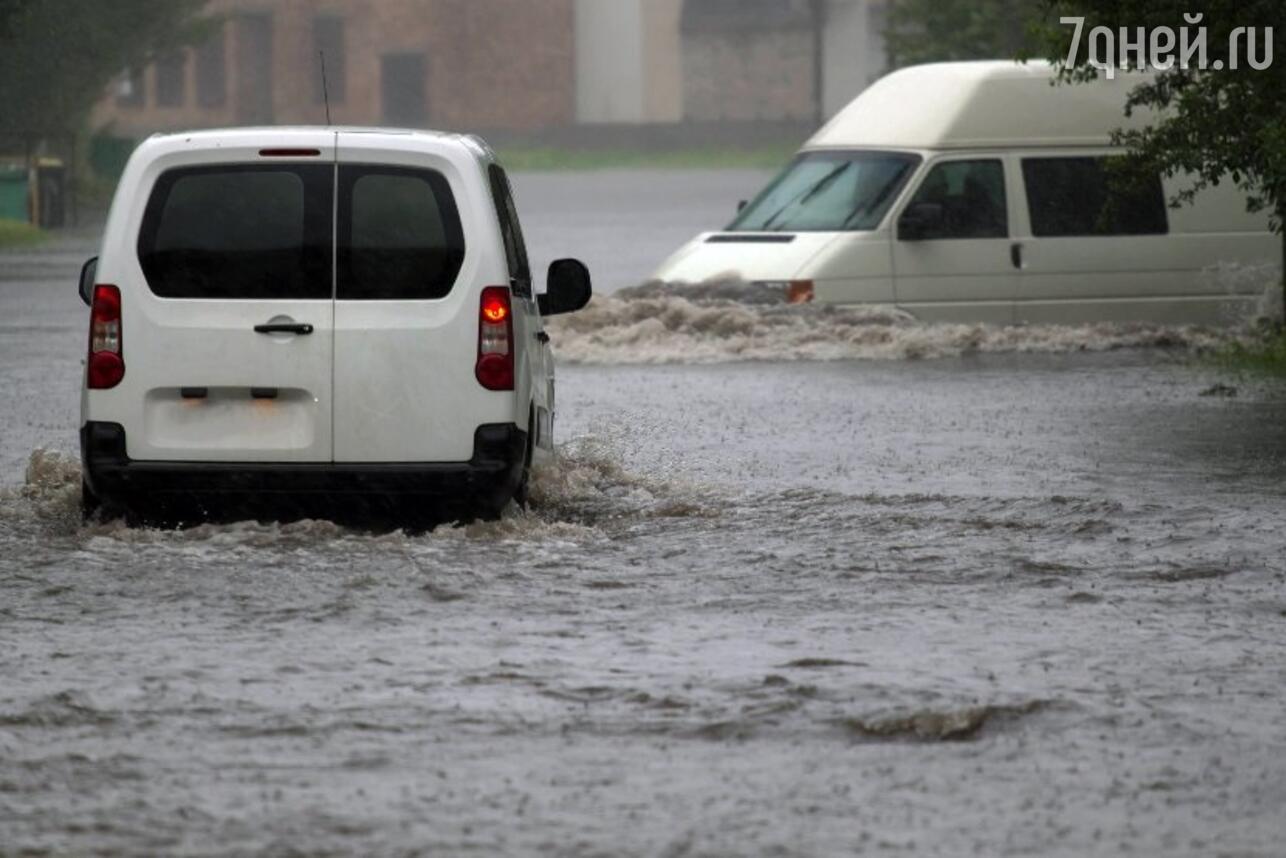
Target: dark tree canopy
1216,124
57,56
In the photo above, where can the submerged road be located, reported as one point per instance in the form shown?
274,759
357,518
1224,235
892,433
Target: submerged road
987,603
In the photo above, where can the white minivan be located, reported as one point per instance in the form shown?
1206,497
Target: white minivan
980,191
300,321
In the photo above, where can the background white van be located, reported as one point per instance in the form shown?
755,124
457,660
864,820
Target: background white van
981,191
301,318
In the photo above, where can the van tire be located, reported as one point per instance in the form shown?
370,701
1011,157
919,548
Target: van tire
94,508
522,494
89,502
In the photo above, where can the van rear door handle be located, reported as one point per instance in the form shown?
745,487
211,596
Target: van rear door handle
1016,255
284,328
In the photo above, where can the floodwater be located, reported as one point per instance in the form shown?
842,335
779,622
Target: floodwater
836,584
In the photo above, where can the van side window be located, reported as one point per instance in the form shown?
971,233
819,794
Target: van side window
962,199
239,232
510,230
1092,197
399,235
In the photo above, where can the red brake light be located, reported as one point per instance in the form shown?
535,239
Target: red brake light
105,370
106,362
495,310
495,367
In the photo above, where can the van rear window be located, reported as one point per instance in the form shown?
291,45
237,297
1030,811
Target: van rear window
399,235
247,232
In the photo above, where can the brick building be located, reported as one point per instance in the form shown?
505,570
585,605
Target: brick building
465,64
757,60
516,66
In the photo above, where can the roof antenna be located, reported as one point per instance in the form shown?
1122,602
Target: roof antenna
325,90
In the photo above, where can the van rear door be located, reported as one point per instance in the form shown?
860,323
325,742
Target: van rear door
406,306
228,331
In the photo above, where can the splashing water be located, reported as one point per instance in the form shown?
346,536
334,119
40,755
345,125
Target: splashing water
584,486
50,492
725,321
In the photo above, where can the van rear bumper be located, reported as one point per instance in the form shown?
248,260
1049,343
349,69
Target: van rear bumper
484,484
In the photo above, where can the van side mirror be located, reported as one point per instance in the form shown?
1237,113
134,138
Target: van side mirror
568,288
921,221
88,274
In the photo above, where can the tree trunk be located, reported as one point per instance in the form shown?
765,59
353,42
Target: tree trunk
1281,229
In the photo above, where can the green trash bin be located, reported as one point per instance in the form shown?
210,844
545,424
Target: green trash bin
13,193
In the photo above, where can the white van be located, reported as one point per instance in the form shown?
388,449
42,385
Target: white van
980,192
291,318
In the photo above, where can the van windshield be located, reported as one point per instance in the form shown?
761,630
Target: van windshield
829,192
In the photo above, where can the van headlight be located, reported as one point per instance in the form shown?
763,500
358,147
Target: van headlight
796,291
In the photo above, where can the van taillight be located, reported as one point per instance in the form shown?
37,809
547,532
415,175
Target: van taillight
495,368
106,362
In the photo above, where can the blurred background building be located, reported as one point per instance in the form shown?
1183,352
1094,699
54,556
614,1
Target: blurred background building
516,67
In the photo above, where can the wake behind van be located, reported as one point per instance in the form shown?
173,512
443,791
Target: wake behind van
980,191
333,321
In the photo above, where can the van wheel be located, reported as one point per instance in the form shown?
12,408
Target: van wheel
94,508
89,502
521,494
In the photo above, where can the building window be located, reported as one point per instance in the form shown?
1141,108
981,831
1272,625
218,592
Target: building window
171,79
328,40
403,90
254,60
212,72
132,90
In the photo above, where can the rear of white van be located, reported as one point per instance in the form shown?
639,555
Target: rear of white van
299,312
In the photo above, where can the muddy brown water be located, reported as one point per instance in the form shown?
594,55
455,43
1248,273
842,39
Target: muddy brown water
821,602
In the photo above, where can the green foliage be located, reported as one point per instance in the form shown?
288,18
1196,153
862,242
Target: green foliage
57,56
1265,355
923,31
17,234
1216,124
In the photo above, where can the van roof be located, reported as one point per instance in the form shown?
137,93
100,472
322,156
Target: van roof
475,144
986,104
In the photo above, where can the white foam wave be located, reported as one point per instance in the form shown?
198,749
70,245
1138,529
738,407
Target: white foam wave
583,486
703,324
49,495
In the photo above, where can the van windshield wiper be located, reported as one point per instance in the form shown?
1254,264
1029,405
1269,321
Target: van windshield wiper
810,192
877,200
